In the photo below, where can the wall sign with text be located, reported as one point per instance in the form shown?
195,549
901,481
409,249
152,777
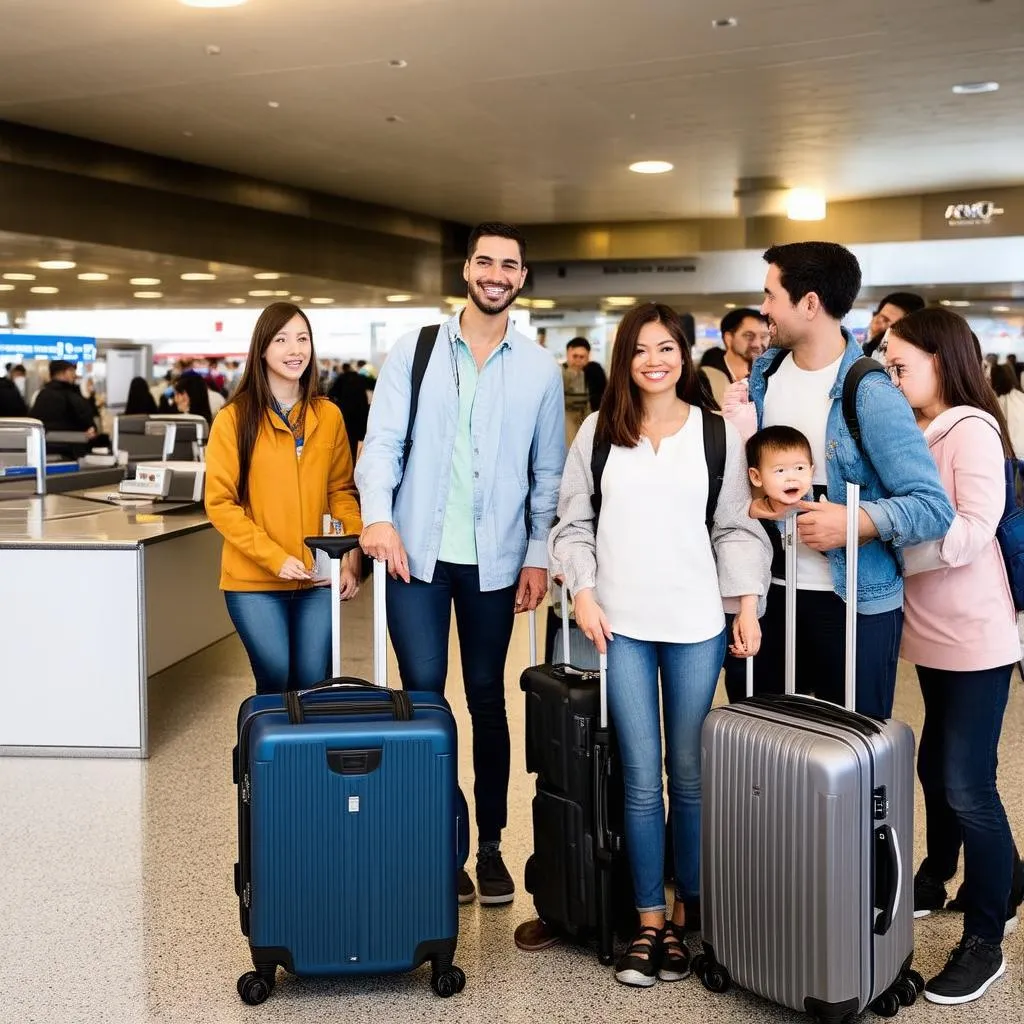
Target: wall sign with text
968,215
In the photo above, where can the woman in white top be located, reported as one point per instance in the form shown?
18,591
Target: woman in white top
649,583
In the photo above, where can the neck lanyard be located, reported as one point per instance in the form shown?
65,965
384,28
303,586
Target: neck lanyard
295,430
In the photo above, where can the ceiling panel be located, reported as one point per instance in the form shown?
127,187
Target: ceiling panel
533,112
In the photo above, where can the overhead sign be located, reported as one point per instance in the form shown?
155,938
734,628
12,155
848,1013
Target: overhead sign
48,346
966,215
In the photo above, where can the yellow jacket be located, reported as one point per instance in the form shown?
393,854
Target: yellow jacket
288,495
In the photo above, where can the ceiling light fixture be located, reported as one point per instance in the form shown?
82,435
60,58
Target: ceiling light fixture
7,287
296,298
144,280
261,293
237,302
44,289
1000,309
19,277
730,305
955,303
321,301
273,104
282,294
56,264
725,22
149,295
620,300
651,167
213,3
401,297
198,277
543,303
805,204
973,88
93,277
267,275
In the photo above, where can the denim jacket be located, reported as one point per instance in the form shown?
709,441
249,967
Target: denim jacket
518,434
900,486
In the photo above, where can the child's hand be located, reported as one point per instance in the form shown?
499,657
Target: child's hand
746,635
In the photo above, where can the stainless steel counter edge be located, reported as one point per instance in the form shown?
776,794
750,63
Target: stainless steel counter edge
101,545
136,753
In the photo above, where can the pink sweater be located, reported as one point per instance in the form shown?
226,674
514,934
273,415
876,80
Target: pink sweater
959,614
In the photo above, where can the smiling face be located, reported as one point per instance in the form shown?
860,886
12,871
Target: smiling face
749,340
787,322
785,474
288,352
657,360
494,274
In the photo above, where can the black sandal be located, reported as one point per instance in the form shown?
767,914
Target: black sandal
638,966
675,954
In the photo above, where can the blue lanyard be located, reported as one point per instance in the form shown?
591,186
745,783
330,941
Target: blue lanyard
300,440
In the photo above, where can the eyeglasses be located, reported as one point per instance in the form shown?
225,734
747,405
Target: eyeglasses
896,371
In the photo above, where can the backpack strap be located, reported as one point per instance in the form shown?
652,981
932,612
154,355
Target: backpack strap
857,372
714,456
424,350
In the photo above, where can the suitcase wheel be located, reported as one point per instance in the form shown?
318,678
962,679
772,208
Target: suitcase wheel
713,976
255,987
916,980
906,991
887,1004
448,982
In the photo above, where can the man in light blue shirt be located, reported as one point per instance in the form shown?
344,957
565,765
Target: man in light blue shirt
466,520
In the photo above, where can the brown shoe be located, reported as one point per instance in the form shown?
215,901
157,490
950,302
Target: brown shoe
534,935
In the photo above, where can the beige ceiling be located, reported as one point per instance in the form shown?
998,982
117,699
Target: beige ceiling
531,111
20,254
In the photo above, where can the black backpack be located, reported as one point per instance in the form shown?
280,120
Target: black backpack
714,456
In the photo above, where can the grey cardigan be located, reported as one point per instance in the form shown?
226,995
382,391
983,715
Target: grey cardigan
741,547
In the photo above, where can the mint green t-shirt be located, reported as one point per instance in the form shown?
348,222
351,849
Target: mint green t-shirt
458,538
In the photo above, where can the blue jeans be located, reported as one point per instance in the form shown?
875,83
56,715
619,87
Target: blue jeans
689,675
419,621
956,763
286,633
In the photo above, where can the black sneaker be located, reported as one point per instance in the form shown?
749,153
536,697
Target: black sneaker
493,880
969,971
929,895
640,964
675,956
467,890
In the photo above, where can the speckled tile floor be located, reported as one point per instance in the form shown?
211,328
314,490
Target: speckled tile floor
117,903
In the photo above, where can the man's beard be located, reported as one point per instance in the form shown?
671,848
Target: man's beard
489,307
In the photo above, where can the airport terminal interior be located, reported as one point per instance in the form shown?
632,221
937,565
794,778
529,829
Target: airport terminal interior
169,168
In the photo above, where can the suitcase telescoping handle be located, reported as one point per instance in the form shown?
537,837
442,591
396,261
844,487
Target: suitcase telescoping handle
335,547
566,658
398,700
852,554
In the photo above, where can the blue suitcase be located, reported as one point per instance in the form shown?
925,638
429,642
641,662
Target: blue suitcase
348,829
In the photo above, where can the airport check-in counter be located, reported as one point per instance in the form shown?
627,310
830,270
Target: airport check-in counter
96,599
171,436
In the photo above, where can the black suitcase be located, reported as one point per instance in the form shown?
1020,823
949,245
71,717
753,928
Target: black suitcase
578,874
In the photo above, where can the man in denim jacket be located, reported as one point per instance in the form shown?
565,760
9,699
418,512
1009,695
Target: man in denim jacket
809,288
488,445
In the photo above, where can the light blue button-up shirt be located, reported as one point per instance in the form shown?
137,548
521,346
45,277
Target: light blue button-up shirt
518,450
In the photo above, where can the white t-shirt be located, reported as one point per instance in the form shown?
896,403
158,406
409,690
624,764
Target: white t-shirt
800,399
656,574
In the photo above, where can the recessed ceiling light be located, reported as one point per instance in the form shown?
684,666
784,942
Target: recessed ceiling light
144,280
1000,309
267,275
149,295
296,298
399,298
972,88
543,303
199,277
19,277
56,264
650,167
273,104
282,294
212,50
725,22
213,3
7,287
956,303
620,300
93,277
44,289
261,293
398,63
321,301
805,204
237,302
730,305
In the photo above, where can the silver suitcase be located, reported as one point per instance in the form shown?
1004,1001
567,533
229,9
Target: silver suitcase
807,839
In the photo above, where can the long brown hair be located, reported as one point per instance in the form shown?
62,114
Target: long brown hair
621,414
948,337
254,399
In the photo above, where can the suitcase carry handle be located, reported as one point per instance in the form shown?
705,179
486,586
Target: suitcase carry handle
888,869
294,700
334,546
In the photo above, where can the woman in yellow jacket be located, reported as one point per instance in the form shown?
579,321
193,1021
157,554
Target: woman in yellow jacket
277,461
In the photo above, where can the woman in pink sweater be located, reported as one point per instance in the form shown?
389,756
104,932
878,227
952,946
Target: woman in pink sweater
960,631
